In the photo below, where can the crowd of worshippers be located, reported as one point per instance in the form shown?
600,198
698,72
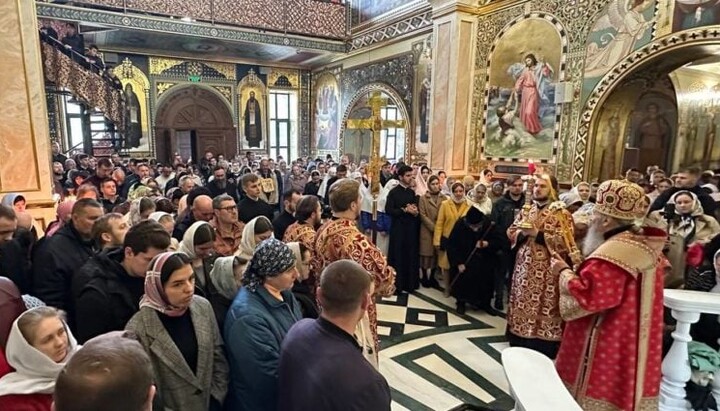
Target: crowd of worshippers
72,43
251,283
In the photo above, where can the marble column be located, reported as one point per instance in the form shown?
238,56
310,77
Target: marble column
24,135
454,24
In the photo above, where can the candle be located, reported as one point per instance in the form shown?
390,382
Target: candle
531,168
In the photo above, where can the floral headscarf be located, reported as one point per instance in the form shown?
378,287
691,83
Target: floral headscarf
155,296
272,257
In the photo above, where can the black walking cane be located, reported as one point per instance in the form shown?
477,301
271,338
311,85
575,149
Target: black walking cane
452,284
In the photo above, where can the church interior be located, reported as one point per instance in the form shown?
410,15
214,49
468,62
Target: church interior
618,85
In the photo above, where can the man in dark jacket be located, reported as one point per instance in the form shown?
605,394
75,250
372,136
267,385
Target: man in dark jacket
322,367
200,209
687,179
503,214
286,218
56,261
221,185
108,288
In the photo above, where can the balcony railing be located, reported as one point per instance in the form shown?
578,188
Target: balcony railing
686,308
96,91
317,18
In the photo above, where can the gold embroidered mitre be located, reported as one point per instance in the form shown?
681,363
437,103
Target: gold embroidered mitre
621,199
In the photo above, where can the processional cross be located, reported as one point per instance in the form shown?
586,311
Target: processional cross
376,124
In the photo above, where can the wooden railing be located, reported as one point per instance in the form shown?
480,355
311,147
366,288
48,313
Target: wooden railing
686,308
317,18
63,72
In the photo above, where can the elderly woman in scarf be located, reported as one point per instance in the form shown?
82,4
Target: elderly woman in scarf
450,212
686,224
259,318
479,198
199,244
140,209
225,279
64,211
178,331
168,222
39,345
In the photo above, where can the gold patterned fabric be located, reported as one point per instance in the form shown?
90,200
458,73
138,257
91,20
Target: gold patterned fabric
340,239
97,92
534,310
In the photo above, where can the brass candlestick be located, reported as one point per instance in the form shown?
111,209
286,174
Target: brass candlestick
529,183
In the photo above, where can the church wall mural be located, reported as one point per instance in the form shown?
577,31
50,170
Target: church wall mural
699,110
526,65
365,11
606,40
327,112
146,79
423,53
621,28
689,14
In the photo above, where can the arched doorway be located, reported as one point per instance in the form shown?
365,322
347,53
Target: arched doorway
356,136
668,91
192,120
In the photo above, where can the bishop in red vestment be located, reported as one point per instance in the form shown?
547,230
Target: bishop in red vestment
610,355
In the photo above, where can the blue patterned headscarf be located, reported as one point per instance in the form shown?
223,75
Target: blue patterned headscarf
272,257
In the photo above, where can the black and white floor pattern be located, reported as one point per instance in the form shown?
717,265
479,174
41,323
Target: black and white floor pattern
436,359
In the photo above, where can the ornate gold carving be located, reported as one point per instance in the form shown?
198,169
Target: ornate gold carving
293,77
163,87
227,70
160,65
225,91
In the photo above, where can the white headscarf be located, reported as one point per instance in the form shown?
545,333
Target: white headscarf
187,245
247,243
35,372
367,199
322,190
382,199
223,277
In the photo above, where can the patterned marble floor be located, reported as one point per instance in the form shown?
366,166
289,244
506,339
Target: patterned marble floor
436,359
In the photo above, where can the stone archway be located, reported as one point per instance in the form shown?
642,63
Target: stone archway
194,119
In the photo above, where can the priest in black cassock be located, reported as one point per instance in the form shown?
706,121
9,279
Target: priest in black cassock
404,249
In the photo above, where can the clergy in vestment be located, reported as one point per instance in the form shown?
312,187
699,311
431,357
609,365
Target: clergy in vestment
404,250
340,239
533,319
610,356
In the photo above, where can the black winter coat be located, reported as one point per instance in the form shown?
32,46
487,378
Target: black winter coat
54,265
106,297
503,212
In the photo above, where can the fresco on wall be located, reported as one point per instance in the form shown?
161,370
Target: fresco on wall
622,27
423,80
695,13
521,92
253,112
366,10
327,112
652,129
698,143
136,88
